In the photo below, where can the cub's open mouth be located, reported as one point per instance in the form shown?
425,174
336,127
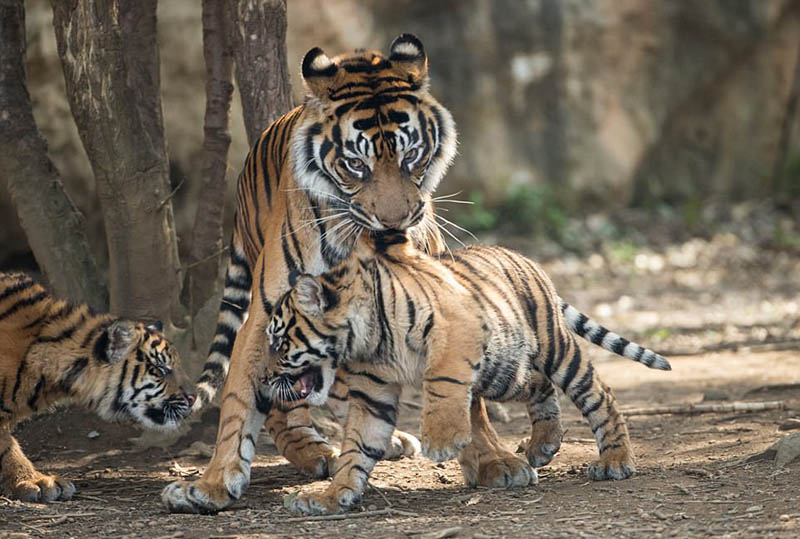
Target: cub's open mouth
309,382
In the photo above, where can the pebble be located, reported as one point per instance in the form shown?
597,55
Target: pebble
93,434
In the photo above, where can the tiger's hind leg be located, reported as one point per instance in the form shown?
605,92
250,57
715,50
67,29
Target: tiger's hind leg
19,479
546,429
578,379
486,461
402,443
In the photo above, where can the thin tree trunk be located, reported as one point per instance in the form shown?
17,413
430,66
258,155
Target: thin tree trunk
259,48
206,243
109,53
52,223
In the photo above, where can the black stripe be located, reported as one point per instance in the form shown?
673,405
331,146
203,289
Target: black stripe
598,339
66,382
619,345
572,369
380,410
25,302
36,392
18,381
445,379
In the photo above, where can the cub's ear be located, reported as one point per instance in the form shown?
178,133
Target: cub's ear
309,294
407,53
119,339
318,73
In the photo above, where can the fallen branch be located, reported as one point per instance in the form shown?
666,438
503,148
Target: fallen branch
707,408
364,514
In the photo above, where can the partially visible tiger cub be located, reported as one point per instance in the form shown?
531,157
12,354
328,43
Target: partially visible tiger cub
53,352
486,322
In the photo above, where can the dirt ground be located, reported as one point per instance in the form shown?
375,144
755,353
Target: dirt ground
731,328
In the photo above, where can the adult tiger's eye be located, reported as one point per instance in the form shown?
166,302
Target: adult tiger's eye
356,164
410,156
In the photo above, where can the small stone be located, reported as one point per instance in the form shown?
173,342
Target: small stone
715,395
754,509
784,517
372,507
93,435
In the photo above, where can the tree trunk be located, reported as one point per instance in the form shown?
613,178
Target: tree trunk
259,48
52,223
109,53
206,243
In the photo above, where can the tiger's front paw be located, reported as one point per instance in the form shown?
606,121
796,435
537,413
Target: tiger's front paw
38,487
544,442
201,496
617,463
402,444
313,458
444,443
333,500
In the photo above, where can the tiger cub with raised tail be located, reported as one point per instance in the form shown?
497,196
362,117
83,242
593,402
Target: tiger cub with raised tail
486,322
53,352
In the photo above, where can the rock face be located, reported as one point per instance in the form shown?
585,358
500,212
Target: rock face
611,101
606,102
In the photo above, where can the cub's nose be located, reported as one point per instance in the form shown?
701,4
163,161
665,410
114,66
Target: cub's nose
190,398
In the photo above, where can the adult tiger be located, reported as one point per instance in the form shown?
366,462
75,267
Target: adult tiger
365,151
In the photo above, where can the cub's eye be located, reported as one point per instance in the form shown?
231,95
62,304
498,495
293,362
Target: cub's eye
356,165
411,156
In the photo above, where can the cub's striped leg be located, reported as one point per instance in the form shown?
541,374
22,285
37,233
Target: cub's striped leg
296,439
370,422
19,479
447,394
546,429
486,461
578,379
402,443
242,412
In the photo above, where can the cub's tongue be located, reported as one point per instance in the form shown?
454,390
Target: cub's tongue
306,384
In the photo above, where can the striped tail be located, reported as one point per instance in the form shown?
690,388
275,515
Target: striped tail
593,332
232,314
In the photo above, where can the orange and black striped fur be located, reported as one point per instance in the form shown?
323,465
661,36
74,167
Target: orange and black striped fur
53,352
365,151
485,323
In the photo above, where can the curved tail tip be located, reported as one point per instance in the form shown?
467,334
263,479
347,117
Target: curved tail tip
661,363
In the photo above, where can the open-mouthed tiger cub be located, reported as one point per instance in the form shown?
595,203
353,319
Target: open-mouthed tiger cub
53,352
486,322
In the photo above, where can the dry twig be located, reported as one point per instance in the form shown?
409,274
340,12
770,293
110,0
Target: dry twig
716,408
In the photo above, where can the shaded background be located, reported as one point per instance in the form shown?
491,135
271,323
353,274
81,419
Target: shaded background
582,124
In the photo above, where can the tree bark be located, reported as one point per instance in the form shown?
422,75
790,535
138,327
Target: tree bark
52,223
206,243
109,54
259,48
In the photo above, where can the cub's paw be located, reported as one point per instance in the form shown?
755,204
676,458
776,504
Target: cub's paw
315,458
197,497
544,443
505,471
402,444
615,463
42,488
445,445
326,503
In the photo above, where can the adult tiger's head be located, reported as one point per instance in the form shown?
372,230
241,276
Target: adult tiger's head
312,328
374,142
144,373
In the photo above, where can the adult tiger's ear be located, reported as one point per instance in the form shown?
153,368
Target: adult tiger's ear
117,341
407,53
318,73
309,295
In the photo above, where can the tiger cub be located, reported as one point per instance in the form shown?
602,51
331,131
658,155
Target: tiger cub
53,352
485,322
